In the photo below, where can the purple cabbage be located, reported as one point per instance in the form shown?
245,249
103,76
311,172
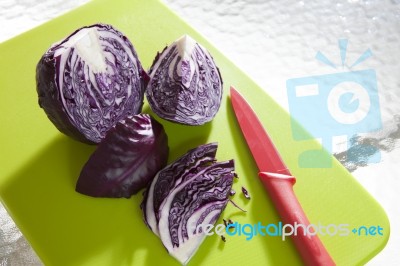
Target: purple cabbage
89,81
185,84
191,191
126,160
172,175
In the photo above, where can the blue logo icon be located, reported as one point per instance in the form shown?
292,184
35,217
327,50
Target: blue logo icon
334,105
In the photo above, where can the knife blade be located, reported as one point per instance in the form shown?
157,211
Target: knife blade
278,182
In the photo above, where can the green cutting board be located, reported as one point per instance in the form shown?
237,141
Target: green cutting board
39,165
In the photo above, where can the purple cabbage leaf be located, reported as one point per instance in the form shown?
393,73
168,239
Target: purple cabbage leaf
126,160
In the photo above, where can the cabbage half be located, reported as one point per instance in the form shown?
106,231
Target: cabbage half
185,84
89,81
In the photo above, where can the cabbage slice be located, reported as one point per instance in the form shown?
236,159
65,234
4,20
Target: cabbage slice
199,200
172,175
173,207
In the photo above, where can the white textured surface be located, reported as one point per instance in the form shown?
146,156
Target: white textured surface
273,41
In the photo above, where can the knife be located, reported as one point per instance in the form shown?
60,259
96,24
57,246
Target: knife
278,182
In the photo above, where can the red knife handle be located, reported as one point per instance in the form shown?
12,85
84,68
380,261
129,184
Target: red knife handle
310,247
